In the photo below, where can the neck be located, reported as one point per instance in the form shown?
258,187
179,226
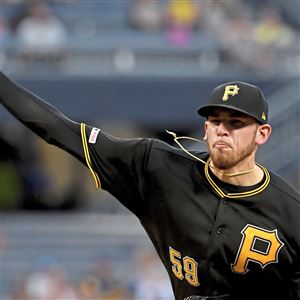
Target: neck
243,174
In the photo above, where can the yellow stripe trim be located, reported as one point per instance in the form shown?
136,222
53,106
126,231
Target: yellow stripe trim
220,192
212,183
87,155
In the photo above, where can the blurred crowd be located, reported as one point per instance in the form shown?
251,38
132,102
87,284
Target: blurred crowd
48,279
36,178
38,35
247,33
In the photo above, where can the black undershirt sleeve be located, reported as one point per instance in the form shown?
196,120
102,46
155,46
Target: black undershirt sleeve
41,117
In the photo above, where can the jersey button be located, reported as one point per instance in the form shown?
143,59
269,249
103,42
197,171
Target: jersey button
219,230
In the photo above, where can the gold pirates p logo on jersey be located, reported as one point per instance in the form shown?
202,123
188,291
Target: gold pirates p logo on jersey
230,90
248,252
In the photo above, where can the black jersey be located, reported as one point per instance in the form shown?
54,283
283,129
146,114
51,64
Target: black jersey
216,240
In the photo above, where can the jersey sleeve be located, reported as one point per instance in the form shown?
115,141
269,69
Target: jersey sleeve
40,117
119,166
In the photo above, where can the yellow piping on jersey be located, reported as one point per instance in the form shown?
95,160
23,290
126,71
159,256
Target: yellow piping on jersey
217,189
212,183
87,155
237,195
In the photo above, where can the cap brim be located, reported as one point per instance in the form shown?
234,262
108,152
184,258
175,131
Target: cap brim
206,110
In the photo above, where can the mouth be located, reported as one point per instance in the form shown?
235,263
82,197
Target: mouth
222,145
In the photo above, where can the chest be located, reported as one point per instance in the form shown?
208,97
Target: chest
232,234
212,244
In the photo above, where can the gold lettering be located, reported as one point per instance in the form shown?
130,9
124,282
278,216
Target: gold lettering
187,270
191,269
175,257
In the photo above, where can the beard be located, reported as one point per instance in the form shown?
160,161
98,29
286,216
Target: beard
225,160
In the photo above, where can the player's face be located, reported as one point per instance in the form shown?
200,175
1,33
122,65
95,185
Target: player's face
231,137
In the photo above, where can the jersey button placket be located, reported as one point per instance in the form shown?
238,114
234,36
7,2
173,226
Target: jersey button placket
219,229
225,200
219,221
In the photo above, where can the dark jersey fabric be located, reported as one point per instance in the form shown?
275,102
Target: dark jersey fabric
169,192
216,240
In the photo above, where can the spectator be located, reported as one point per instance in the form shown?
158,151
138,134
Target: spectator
244,52
49,281
182,20
103,283
89,288
271,30
150,279
146,15
40,36
270,35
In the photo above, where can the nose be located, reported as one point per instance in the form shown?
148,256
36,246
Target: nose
222,129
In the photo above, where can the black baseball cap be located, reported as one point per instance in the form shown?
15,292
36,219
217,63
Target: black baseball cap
239,96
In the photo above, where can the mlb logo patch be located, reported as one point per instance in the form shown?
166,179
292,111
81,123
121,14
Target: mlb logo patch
93,135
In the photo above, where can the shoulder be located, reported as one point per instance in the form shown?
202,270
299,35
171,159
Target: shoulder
164,149
284,188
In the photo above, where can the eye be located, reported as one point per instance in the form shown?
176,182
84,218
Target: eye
214,121
237,123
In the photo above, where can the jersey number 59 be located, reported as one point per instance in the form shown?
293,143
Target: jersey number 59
184,268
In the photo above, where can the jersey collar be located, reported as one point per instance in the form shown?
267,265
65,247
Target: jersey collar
224,194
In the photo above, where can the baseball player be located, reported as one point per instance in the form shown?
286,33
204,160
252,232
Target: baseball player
224,226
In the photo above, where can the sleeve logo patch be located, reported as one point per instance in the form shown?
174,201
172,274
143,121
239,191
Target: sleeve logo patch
93,135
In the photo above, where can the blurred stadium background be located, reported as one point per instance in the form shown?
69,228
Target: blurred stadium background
133,68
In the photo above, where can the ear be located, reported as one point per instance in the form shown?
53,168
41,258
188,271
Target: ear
263,133
205,129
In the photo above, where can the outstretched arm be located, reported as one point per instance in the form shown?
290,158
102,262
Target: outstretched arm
41,117
118,163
